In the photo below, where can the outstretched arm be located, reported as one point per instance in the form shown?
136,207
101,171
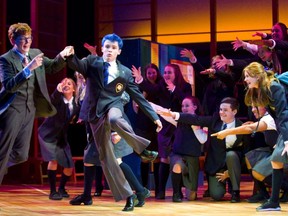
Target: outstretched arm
243,129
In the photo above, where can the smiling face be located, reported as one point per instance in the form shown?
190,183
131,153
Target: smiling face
68,88
151,75
226,113
251,81
277,33
188,106
169,74
110,50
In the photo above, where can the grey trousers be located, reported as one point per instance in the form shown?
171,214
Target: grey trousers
15,136
217,189
101,129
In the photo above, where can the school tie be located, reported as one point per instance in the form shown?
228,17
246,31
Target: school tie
224,126
106,73
25,61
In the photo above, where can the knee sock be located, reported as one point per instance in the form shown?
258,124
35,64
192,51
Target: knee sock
52,180
176,182
164,171
89,175
261,188
131,178
277,178
63,181
145,173
156,177
98,179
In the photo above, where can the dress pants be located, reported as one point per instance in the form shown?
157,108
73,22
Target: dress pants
15,136
101,129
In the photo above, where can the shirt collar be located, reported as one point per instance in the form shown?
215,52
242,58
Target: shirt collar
68,101
20,54
231,124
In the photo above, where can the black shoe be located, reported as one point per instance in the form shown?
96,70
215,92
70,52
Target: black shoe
177,197
206,193
269,206
160,195
142,196
81,199
63,193
235,197
258,197
130,203
149,155
97,194
55,196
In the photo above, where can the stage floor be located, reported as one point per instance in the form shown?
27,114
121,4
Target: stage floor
32,200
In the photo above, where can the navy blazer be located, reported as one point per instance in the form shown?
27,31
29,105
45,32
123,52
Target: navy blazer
12,77
99,98
215,159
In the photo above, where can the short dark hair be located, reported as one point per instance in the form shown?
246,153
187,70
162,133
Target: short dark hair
114,38
232,101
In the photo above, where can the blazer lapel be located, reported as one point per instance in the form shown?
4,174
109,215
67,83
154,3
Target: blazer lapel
17,61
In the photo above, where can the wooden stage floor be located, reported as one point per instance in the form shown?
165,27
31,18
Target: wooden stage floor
32,200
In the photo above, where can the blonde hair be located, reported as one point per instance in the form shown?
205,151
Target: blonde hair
259,96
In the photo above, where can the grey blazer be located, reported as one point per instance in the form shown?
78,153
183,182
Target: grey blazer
12,77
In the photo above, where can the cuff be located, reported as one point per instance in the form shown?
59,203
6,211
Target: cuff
139,81
27,73
286,142
177,116
173,89
193,60
274,44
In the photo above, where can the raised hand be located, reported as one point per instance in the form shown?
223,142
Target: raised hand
185,53
36,62
91,49
259,34
68,50
136,73
220,63
238,43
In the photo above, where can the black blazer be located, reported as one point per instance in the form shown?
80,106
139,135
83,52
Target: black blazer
215,159
55,127
99,98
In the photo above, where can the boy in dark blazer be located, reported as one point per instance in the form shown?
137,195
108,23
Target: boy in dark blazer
221,154
23,94
105,111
